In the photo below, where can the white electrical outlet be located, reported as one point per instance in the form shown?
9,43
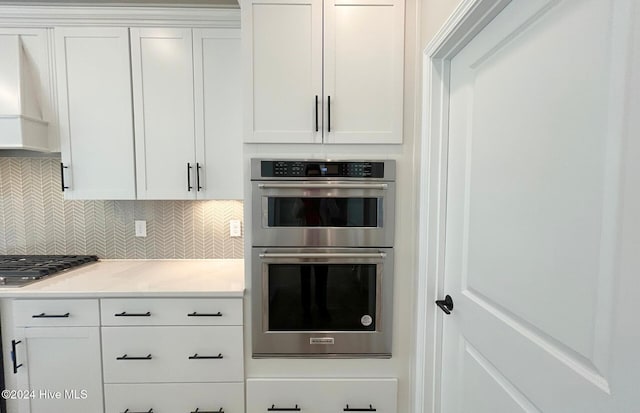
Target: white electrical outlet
141,228
235,228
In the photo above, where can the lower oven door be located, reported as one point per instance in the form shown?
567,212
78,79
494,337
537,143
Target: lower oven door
312,302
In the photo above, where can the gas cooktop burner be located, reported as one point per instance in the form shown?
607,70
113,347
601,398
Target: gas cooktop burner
18,270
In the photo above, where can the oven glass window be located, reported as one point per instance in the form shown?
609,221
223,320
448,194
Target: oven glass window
323,212
332,297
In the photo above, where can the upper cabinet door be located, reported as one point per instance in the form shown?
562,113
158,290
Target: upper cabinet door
363,70
163,98
283,46
96,125
218,104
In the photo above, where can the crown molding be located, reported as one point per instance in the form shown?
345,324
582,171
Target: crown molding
12,15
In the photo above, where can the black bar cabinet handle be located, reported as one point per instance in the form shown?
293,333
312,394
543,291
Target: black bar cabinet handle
329,113
446,305
44,315
210,411
366,409
198,167
273,408
189,187
196,314
126,357
14,356
62,168
197,357
125,314
316,113
146,411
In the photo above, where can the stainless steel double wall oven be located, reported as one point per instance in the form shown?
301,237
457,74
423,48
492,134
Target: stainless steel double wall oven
322,257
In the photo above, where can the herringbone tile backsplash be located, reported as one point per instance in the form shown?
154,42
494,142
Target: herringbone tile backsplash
34,219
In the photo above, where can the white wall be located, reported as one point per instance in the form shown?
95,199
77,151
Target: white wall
433,14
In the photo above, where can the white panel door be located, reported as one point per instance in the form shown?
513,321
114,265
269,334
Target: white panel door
535,227
96,122
218,105
283,54
163,98
64,360
363,71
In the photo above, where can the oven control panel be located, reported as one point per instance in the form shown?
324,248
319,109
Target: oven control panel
310,169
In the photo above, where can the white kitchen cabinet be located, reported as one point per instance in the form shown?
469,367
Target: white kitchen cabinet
163,97
153,126
284,67
358,83
363,70
59,365
162,398
173,354
322,395
171,312
96,124
186,94
218,108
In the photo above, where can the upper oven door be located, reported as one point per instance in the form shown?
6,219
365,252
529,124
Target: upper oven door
323,214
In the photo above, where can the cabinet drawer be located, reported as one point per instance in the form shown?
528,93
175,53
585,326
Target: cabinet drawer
174,398
46,313
171,311
322,396
172,354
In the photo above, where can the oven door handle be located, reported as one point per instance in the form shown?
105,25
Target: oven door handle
267,255
323,186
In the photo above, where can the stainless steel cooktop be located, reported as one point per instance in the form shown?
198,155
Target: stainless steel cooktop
20,270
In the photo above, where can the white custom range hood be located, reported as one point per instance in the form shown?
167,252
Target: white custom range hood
23,124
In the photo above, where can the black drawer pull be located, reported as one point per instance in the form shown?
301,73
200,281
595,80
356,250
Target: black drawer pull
14,356
349,409
44,315
125,314
208,411
196,314
126,357
130,411
273,408
197,357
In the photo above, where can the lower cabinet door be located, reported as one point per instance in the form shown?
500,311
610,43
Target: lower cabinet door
322,395
60,369
175,398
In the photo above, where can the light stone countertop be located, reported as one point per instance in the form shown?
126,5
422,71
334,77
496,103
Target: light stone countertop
140,278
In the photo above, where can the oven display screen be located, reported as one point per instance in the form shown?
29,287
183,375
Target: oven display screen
331,169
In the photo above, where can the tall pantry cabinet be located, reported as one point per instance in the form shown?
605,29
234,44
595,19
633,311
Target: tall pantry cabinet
323,71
